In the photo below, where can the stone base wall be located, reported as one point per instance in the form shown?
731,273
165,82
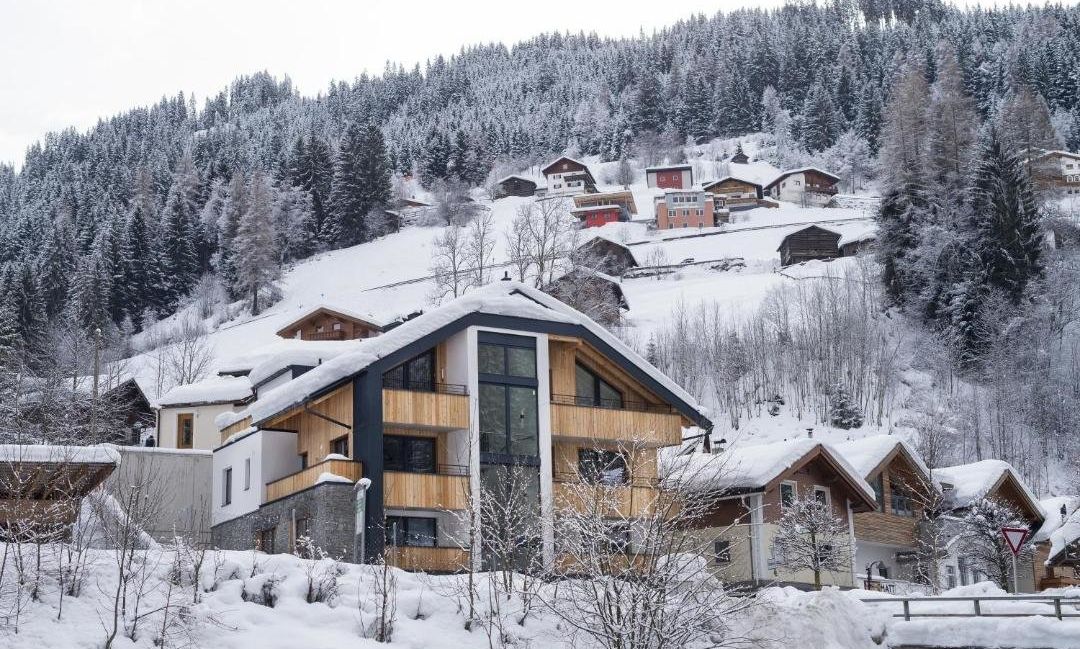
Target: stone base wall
329,509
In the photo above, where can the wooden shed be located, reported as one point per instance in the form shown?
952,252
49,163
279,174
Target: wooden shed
515,185
807,244
606,255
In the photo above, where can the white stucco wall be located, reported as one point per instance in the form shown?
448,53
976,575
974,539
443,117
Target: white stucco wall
206,435
256,459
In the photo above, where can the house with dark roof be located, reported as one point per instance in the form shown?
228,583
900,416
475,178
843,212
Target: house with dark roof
680,176
808,186
515,185
807,244
566,176
606,255
503,379
325,322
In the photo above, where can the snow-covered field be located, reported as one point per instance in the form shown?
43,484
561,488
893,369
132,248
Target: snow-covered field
232,613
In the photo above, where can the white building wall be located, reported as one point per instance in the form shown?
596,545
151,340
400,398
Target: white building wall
206,435
258,458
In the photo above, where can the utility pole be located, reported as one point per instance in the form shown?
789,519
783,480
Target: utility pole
97,374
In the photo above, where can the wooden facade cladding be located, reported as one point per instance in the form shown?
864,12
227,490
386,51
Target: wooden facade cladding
425,491
319,422
617,501
884,526
308,477
430,410
605,424
428,559
234,428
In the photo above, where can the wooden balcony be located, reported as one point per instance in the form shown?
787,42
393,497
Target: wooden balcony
637,423
428,559
619,501
338,334
446,490
434,407
306,478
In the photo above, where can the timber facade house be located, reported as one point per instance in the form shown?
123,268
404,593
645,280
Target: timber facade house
329,323
567,176
732,194
808,244
504,378
808,186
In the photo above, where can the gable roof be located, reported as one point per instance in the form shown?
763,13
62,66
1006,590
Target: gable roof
505,304
807,229
568,159
1063,538
758,467
678,167
214,390
346,314
971,482
1054,519
788,172
709,184
870,454
527,179
1058,152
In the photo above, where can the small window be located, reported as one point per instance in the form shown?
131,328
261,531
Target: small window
902,504
264,540
247,473
303,461
337,326
821,494
226,487
722,551
340,446
185,430
787,494
883,571
950,576
410,454
602,467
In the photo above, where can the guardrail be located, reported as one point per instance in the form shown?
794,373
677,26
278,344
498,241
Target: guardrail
424,386
977,610
610,404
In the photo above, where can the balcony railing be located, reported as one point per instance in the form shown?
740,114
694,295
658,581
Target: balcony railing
610,404
448,489
568,477
308,477
338,334
424,386
433,559
634,498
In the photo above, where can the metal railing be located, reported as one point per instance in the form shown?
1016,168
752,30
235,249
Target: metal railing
1059,604
610,404
424,386
440,469
628,481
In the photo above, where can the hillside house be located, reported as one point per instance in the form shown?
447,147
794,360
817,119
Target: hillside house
739,157
731,194
854,243
596,294
42,487
670,176
808,187
1057,171
567,176
594,210
505,378
185,414
679,208
887,536
753,484
962,486
807,244
1065,572
606,255
324,322
515,185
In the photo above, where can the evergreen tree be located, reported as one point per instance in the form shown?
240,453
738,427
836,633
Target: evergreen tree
361,182
844,412
256,260
953,128
1006,220
647,108
819,122
142,270
868,118
180,258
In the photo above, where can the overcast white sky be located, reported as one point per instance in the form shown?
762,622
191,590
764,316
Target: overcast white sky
69,62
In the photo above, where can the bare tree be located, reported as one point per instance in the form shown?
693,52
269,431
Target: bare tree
188,355
382,596
480,249
809,536
450,264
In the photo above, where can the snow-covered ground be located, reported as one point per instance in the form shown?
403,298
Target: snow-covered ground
231,613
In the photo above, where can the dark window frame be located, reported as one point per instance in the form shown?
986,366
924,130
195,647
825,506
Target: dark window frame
407,440
226,487
404,532
508,383
722,551
409,375
592,469
338,440
595,399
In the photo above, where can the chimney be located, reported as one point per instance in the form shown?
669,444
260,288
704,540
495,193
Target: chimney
810,433
506,276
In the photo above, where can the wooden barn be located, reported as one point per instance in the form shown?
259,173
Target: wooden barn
807,244
596,294
515,185
606,255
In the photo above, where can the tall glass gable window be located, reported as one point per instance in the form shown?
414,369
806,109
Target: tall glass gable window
509,422
591,390
417,373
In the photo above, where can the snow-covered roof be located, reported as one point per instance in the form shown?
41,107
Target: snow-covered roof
1054,520
758,172
809,227
306,353
973,481
800,170
1059,152
498,298
753,467
855,235
868,453
45,453
532,179
568,159
709,184
366,318
668,167
217,389
1064,536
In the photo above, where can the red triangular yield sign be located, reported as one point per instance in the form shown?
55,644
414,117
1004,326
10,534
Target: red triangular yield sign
1014,536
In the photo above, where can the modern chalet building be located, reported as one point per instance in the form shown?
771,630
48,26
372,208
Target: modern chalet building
807,186
323,322
567,176
753,484
185,414
601,208
413,421
683,208
886,537
670,176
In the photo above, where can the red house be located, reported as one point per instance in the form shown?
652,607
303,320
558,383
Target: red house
670,177
597,215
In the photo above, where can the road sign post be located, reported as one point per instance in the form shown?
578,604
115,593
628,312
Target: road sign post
1014,538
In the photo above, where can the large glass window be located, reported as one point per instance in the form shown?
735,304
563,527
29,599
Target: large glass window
500,359
602,467
879,491
417,373
591,390
509,419
902,504
411,531
412,454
